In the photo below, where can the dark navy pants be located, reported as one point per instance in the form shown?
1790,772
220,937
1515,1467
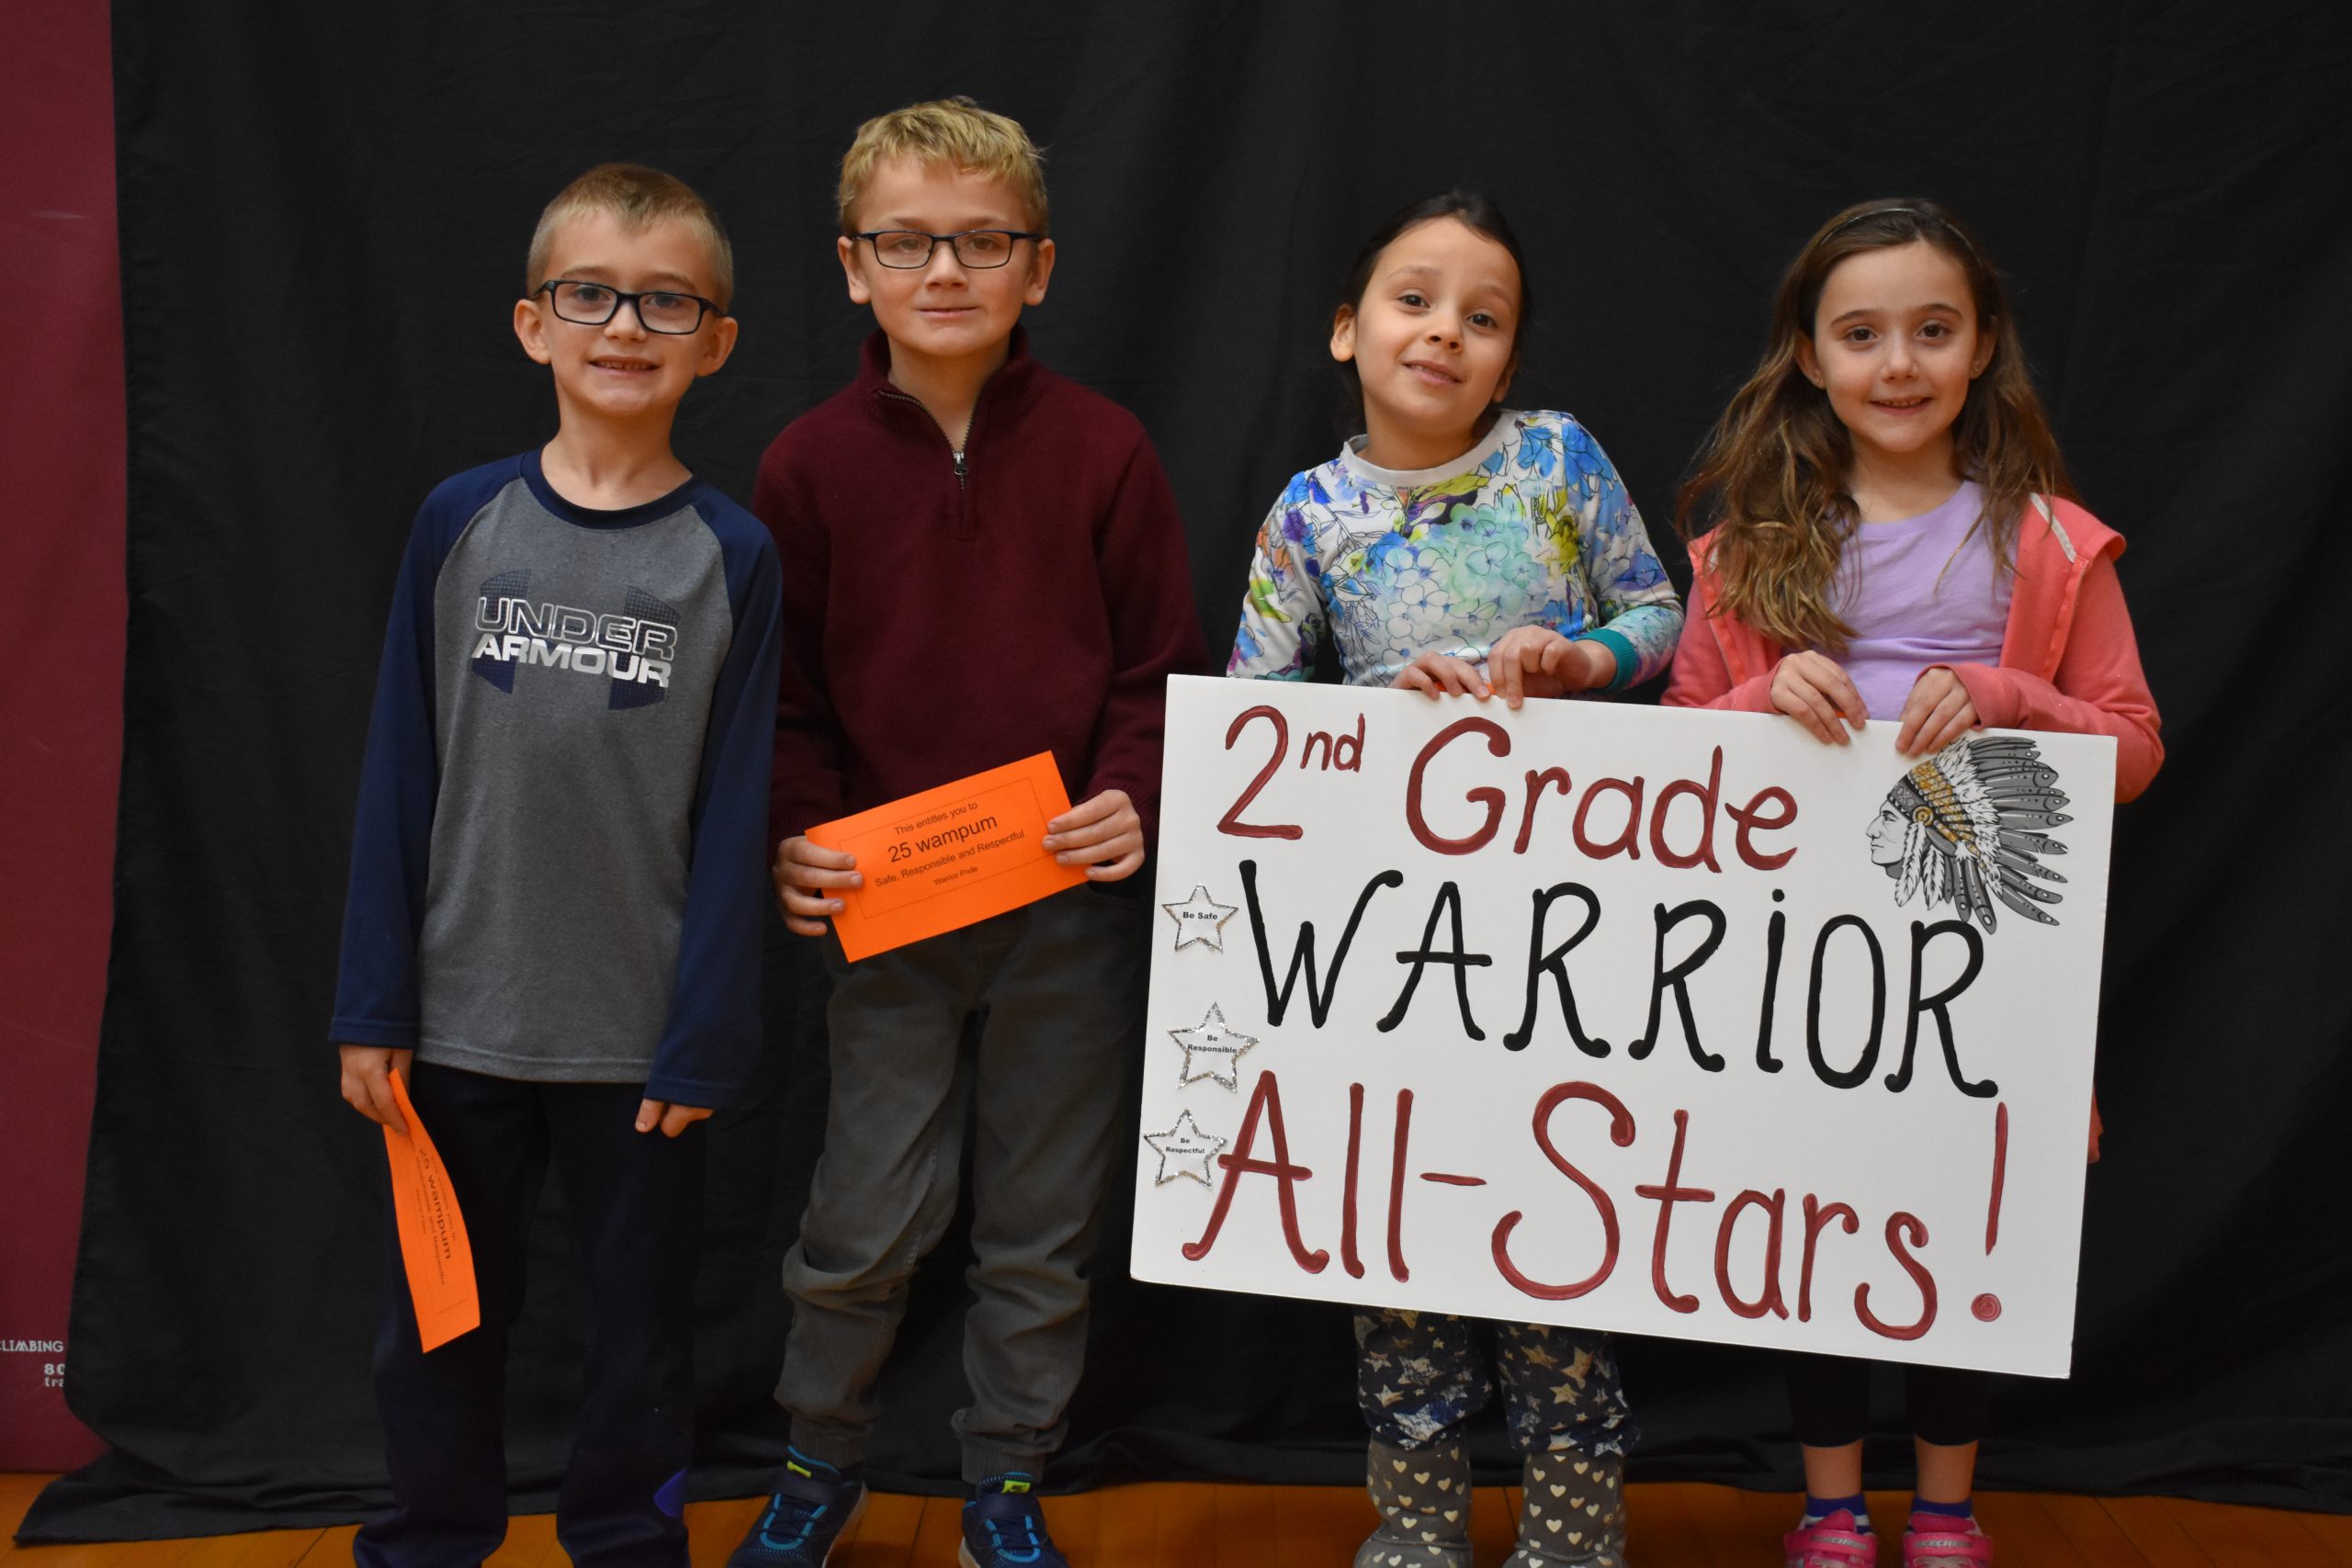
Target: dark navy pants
635,1203
1830,1399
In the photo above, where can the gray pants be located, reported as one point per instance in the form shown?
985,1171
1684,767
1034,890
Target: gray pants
1057,991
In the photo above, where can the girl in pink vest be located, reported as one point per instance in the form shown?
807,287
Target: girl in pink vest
1893,537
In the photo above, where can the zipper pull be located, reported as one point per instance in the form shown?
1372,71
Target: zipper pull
960,471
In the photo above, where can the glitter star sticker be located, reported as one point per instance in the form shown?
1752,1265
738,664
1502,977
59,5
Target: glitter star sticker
1187,1148
1200,919
1211,1051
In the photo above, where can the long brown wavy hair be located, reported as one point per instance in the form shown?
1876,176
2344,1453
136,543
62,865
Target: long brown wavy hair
1772,478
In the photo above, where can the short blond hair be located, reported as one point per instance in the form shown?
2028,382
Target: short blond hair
947,130
639,198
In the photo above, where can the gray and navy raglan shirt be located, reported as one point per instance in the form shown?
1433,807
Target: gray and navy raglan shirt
561,854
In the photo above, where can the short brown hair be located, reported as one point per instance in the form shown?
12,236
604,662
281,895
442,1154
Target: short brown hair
947,130
639,198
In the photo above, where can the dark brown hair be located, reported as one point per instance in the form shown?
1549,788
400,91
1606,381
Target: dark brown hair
1772,478
1476,213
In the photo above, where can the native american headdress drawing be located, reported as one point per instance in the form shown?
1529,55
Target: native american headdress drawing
1970,819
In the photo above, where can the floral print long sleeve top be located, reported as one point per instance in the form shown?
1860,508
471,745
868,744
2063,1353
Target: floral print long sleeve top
1531,526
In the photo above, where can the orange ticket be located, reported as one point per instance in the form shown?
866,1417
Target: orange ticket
439,1260
949,856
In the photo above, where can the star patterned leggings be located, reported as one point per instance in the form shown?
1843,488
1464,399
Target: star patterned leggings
1420,1375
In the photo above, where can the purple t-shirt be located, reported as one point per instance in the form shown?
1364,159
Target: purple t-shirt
1915,597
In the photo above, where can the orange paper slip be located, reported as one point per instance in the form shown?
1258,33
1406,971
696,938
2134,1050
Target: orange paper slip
949,856
434,1248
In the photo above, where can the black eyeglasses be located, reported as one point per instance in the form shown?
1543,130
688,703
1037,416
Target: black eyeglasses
658,310
978,248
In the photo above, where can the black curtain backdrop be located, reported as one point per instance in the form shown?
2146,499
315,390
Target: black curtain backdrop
323,215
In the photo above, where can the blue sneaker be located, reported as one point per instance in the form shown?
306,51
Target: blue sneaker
1003,1527
812,1505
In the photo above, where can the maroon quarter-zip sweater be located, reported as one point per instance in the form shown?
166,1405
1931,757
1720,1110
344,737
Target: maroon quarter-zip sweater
947,614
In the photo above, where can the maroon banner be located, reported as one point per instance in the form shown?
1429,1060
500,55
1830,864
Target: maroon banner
61,450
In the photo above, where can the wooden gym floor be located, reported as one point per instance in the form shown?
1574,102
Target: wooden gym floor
1167,1525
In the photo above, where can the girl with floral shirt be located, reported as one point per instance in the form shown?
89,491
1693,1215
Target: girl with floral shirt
1414,553
1457,548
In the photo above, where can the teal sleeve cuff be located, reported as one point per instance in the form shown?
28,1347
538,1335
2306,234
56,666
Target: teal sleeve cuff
1629,659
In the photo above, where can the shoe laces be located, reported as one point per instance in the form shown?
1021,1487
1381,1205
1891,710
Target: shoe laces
1028,1550
794,1513
1010,1516
790,1520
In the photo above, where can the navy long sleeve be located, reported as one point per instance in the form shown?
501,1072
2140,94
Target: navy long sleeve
376,994
713,1037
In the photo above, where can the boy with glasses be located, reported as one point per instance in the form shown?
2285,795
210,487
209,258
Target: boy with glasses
988,563
552,931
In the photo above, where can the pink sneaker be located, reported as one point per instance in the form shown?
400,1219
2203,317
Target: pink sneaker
1834,1542
1939,1541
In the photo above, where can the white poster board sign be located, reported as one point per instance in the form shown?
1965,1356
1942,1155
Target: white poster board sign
1674,1022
